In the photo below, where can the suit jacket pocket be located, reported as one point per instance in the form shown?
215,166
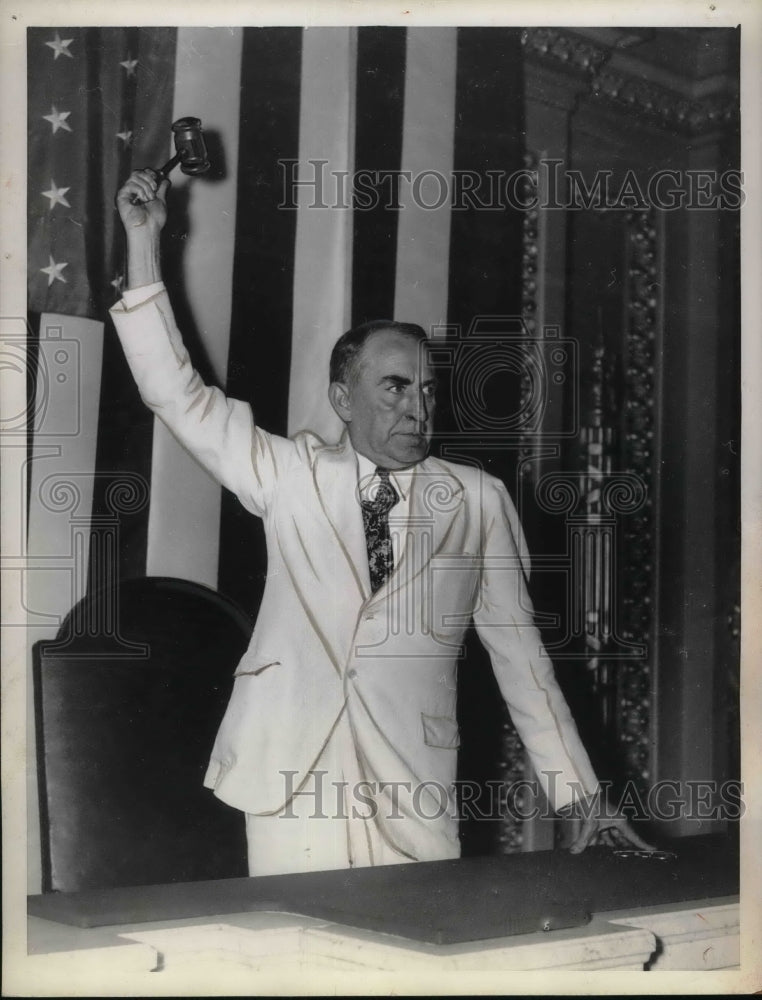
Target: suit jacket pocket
440,731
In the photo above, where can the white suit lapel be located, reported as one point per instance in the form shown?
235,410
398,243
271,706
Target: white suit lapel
335,475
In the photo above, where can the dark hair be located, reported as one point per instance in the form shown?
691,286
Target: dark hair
343,366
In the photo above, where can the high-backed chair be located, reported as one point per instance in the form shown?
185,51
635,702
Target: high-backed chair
128,698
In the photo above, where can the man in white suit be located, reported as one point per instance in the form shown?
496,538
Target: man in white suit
340,739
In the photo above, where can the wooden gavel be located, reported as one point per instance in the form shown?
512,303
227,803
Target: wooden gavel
191,149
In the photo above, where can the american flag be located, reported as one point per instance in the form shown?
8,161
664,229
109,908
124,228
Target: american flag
262,282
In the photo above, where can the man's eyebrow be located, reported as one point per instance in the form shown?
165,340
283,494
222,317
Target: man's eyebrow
404,380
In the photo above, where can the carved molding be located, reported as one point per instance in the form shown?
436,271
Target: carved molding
638,550
665,107
530,243
512,750
657,104
571,51
530,256
511,766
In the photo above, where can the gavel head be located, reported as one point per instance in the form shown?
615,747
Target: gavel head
190,146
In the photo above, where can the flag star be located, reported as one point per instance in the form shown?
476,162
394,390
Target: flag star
60,46
53,271
58,119
129,65
126,137
118,282
57,196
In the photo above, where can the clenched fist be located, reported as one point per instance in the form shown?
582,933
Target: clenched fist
142,204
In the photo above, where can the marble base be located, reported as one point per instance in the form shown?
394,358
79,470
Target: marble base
690,935
598,945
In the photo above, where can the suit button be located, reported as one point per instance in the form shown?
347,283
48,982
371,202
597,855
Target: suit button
351,674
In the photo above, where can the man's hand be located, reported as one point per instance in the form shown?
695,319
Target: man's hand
143,210
142,204
612,831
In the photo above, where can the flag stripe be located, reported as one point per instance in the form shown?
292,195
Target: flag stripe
260,345
427,153
207,86
485,267
265,233
378,147
125,430
183,494
323,256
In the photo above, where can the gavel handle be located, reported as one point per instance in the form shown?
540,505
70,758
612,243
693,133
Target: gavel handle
169,165
163,172
160,174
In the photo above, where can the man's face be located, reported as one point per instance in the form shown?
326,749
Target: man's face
389,406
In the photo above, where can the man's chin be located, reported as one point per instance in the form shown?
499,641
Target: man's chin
410,448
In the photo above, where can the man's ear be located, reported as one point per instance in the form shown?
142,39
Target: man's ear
338,394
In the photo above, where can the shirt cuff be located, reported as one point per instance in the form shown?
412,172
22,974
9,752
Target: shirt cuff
137,296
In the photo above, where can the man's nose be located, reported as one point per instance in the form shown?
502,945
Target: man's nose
419,408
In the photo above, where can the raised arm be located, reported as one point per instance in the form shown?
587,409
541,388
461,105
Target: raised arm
142,204
219,432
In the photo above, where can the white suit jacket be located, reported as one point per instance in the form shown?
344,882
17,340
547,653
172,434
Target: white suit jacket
324,645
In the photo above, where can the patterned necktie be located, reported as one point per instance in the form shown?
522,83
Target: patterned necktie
375,516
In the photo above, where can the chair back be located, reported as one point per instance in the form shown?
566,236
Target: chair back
128,699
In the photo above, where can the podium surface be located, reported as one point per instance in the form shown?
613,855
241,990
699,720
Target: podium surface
441,902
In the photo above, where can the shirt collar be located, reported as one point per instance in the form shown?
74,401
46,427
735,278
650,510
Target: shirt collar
401,479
